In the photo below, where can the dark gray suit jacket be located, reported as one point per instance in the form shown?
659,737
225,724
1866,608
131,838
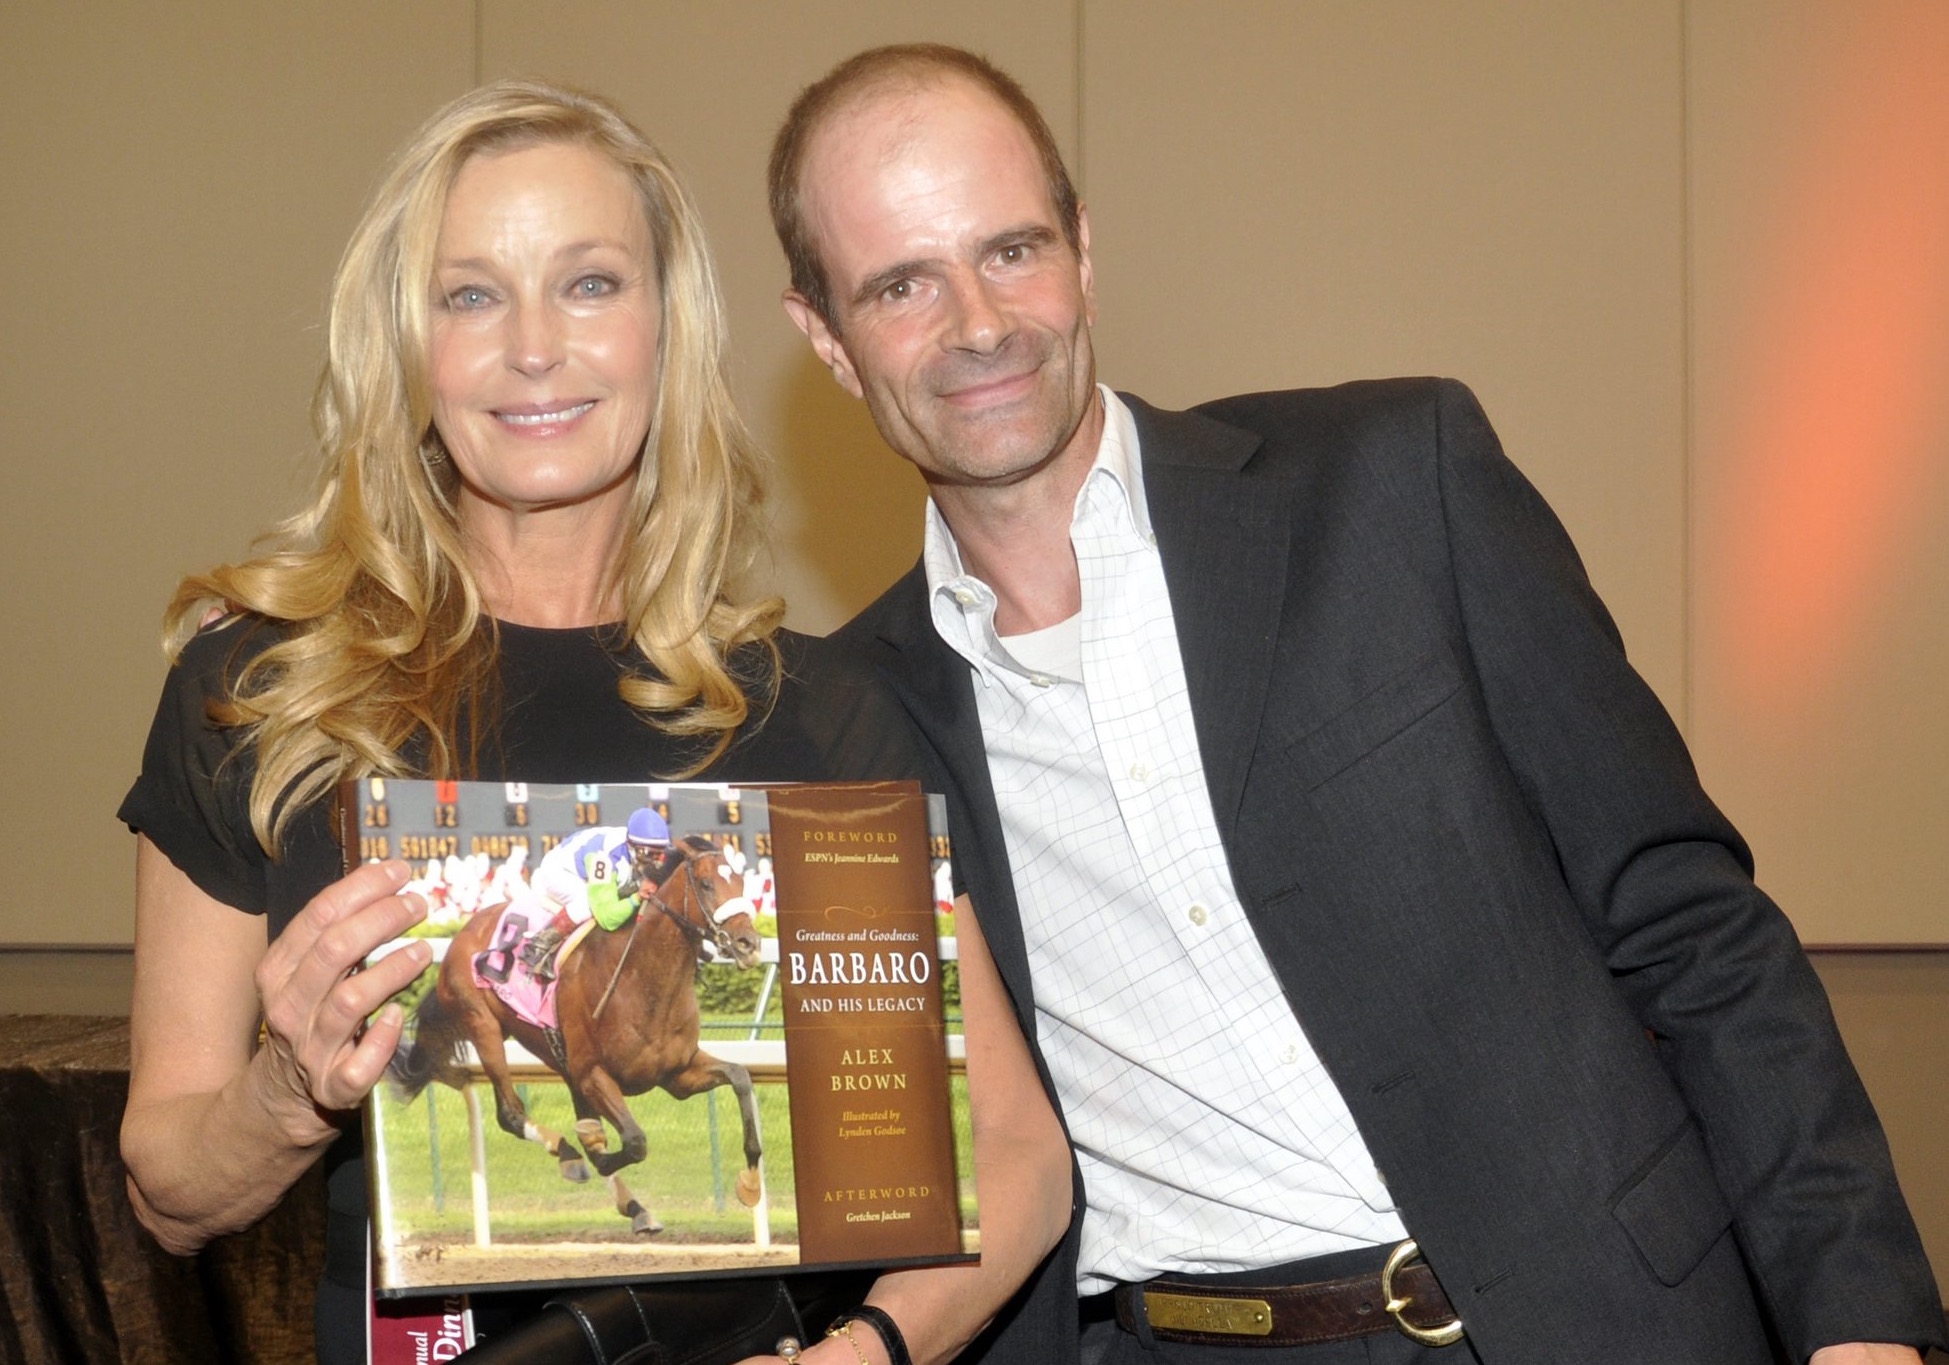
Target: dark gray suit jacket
1598,1073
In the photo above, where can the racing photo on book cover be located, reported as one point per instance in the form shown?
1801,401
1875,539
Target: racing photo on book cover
668,1029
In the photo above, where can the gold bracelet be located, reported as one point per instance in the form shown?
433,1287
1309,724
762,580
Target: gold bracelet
845,1329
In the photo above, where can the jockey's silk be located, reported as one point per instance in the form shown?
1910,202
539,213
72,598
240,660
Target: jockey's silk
531,1000
611,911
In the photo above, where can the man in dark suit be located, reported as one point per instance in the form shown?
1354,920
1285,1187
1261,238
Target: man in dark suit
1351,885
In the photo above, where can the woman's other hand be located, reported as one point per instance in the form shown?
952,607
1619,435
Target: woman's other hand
829,1351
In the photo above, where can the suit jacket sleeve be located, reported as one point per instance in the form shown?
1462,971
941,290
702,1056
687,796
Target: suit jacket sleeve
1664,883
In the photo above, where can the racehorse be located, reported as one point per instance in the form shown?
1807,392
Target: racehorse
626,1002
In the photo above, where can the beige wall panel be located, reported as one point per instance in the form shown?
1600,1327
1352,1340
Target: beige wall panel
62,981
180,182
1288,193
710,84
1889,1007
1820,260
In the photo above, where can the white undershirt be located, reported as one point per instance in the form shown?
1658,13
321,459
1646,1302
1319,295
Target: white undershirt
1209,1135
1056,650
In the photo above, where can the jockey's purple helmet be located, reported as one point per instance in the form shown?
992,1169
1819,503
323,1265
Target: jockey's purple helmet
647,829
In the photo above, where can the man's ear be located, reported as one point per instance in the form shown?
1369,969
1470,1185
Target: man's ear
825,343
1083,261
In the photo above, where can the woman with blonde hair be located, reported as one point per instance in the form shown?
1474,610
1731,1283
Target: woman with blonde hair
536,496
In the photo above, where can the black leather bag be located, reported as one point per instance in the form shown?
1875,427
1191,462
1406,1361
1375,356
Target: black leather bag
691,1322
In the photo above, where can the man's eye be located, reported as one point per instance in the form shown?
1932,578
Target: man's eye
900,289
1013,255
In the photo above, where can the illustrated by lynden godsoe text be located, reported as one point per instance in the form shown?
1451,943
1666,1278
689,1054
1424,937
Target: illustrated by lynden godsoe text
668,1030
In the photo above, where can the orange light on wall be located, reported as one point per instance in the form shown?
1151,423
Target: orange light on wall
1841,425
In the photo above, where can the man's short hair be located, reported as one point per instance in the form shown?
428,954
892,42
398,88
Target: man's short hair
909,66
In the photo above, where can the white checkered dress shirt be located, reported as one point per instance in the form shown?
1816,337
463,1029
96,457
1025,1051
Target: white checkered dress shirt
1210,1137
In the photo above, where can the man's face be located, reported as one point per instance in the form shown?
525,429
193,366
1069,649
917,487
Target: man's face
962,314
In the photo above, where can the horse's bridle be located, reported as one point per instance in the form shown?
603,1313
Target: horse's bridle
694,847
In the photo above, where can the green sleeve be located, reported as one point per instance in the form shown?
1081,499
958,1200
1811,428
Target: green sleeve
611,911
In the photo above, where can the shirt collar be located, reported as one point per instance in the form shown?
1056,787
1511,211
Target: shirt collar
963,606
1119,462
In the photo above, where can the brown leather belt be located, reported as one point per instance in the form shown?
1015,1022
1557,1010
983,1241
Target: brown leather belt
1208,1313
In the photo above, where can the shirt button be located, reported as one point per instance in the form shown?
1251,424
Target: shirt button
1042,680
1198,915
1139,772
1291,1054
965,596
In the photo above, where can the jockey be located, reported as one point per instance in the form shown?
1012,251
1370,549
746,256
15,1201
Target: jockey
594,874
651,856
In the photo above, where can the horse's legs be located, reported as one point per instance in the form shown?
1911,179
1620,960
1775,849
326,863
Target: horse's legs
639,1215
706,1072
595,1141
598,1097
508,1109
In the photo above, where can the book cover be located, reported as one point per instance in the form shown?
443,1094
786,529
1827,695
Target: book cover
669,1030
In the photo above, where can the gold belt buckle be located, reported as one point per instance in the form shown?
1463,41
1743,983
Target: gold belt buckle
1447,1334
1201,1313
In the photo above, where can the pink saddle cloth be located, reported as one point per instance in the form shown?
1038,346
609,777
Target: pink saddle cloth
531,1000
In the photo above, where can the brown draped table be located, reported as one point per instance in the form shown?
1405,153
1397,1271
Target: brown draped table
80,1281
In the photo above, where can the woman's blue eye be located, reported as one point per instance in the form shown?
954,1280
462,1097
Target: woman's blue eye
467,297
594,286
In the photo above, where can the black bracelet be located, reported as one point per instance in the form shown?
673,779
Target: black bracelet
882,1322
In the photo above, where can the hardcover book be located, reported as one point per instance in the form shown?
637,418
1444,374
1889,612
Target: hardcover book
667,1030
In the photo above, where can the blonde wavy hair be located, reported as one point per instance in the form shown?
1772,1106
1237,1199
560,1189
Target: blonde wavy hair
383,643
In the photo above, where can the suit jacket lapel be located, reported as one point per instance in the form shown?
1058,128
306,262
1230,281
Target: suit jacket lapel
937,688
1224,527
